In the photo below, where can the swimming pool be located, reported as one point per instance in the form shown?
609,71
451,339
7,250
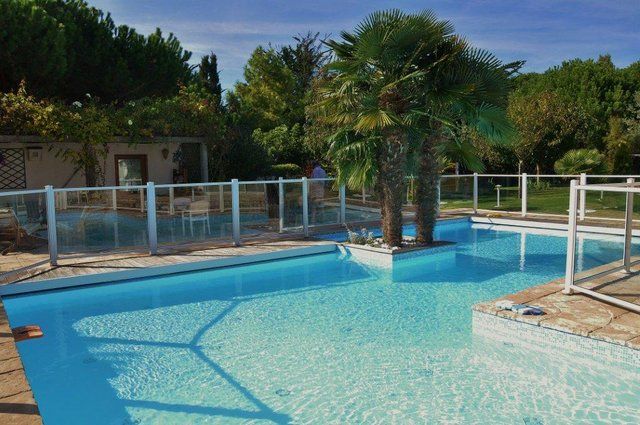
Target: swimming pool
317,339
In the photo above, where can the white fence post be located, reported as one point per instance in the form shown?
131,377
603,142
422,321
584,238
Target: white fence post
114,199
583,197
524,194
628,227
475,193
152,226
52,233
305,206
235,211
172,198
571,239
281,204
343,204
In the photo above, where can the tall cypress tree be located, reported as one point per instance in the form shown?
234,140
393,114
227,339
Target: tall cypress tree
209,75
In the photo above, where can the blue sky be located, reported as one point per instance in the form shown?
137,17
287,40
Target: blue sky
542,32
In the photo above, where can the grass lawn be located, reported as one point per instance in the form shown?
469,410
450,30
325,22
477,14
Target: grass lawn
553,200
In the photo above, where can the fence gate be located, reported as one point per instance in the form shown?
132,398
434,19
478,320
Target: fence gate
12,169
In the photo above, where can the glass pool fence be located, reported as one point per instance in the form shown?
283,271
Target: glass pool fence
146,217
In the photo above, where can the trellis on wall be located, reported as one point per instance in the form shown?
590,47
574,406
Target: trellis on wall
12,169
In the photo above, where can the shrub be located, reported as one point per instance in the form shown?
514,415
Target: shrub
288,171
578,161
363,237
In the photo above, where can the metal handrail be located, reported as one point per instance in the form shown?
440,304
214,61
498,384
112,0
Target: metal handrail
194,185
21,192
98,188
570,282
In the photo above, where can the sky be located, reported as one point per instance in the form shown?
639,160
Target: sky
542,32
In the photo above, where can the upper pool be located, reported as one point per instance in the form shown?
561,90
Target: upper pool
317,339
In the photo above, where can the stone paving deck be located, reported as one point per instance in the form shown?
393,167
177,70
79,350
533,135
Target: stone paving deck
580,314
17,405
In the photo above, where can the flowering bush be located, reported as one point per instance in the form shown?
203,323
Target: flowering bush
192,112
23,114
363,237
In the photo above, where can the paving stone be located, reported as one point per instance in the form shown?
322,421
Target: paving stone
634,343
19,409
9,365
564,324
12,383
613,334
8,351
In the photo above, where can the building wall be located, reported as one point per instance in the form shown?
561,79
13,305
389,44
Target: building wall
56,172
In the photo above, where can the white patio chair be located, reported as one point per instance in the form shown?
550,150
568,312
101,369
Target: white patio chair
197,211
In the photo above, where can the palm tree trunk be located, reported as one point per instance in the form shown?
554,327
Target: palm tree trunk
427,191
391,184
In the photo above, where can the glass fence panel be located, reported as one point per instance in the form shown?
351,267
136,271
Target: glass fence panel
366,197
609,205
292,221
194,214
259,209
499,193
23,230
324,202
361,205
456,192
548,195
101,220
409,194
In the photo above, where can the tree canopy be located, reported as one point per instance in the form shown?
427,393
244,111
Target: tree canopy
579,104
65,49
55,52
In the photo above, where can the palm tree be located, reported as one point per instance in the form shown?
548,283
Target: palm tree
577,161
369,94
468,89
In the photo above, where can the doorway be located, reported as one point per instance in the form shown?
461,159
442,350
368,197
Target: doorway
131,170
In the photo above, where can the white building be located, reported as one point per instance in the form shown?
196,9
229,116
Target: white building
27,162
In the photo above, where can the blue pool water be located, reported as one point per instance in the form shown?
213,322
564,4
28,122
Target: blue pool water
318,339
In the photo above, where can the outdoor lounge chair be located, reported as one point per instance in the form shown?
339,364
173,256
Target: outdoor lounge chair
10,231
197,211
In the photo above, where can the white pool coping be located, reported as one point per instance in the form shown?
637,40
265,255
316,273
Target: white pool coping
190,266
514,222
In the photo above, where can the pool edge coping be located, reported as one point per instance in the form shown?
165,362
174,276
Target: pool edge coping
190,266
15,388
545,339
